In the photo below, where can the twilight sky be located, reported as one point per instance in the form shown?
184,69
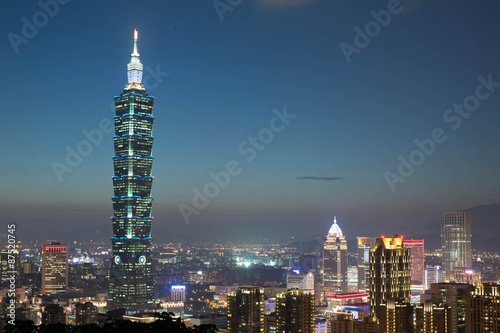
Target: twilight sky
225,77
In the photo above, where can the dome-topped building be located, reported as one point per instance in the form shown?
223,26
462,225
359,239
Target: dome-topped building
335,229
335,261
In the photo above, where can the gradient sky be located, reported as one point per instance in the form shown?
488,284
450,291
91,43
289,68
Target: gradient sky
225,77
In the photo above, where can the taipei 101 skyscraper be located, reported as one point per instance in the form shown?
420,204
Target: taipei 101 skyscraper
131,278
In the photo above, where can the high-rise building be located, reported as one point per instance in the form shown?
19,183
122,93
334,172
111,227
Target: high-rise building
485,309
456,296
270,323
417,263
456,242
433,274
54,268
432,317
335,261
85,313
390,282
295,311
245,310
364,246
131,278
178,293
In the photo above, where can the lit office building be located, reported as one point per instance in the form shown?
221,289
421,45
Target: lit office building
485,309
299,281
417,263
295,312
433,274
390,281
131,278
178,293
466,275
364,246
456,242
54,268
335,261
245,310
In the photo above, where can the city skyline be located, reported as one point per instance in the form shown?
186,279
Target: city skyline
328,161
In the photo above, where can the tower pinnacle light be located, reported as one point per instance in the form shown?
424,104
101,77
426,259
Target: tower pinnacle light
135,68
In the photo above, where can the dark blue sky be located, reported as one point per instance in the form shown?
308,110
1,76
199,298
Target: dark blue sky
224,78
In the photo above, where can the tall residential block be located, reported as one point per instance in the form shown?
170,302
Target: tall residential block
295,312
245,310
457,297
485,309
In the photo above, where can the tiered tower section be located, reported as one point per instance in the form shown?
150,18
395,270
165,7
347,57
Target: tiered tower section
131,278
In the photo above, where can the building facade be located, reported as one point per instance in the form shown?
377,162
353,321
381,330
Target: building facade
85,313
131,278
456,242
432,317
390,284
295,312
456,296
433,274
54,268
245,310
485,309
417,263
335,261
364,246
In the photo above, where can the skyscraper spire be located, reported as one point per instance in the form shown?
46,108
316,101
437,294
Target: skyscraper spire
136,35
135,68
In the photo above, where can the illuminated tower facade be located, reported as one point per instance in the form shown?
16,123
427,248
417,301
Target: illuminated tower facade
456,242
245,310
131,277
295,311
335,261
390,277
417,263
54,268
364,246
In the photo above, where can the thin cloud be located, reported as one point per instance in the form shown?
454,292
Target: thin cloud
320,178
284,3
